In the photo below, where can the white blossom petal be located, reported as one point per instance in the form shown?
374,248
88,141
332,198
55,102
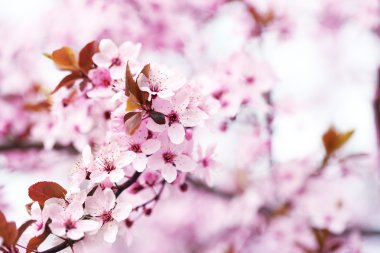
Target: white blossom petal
121,211
169,173
150,146
176,133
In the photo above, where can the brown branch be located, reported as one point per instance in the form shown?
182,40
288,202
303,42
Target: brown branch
376,107
199,185
19,145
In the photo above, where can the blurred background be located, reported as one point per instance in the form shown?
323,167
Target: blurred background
319,60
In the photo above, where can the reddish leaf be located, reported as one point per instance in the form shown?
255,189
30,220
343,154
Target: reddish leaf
131,87
146,70
132,103
28,208
8,231
43,191
65,59
132,121
38,107
157,117
23,227
35,242
262,19
68,81
85,56
333,140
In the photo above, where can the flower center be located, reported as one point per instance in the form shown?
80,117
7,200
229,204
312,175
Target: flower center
173,117
169,157
106,216
116,61
69,224
109,166
135,148
154,87
205,162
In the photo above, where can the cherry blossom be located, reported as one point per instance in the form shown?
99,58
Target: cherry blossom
110,162
67,222
116,58
161,82
40,217
169,159
180,114
104,205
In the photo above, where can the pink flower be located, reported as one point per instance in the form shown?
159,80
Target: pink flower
40,216
206,163
116,58
67,222
179,114
80,170
143,144
161,82
110,162
169,159
104,206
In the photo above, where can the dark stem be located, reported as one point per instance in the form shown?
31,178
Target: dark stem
376,107
128,183
18,145
58,248
203,187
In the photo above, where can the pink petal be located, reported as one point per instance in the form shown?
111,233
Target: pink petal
102,60
140,162
150,146
151,125
176,133
125,159
98,176
57,228
156,162
87,155
118,72
116,175
121,211
35,211
108,48
75,234
185,163
109,201
110,232
88,225
169,173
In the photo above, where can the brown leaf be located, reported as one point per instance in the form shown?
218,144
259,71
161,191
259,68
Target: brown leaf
131,87
262,19
146,70
23,227
333,140
85,56
8,231
132,121
68,81
157,117
132,103
28,207
37,107
35,242
43,191
65,59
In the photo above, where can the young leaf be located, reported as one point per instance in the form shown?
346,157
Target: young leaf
333,140
68,81
157,117
8,231
86,54
65,59
146,70
35,242
132,121
132,103
43,191
131,87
